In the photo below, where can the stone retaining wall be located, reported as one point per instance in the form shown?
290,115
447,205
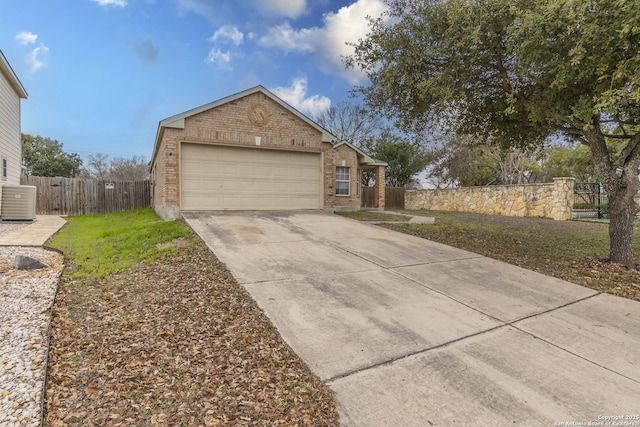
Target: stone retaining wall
553,200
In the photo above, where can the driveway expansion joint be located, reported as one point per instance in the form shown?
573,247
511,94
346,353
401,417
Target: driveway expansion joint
338,247
476,309
513,324
530,316
413,353
485,331
576,355
294,279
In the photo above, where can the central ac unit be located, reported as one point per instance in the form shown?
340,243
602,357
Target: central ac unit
18,203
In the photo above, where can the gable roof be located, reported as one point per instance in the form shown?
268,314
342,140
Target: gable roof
178,122
364,158
5,68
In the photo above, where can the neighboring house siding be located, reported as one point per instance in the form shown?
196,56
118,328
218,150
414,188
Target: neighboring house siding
10,139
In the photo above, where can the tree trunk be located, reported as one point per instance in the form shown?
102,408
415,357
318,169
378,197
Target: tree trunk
621,185
623,214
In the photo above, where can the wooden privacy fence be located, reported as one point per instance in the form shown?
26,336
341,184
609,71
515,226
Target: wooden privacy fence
74,196
368,197
393,197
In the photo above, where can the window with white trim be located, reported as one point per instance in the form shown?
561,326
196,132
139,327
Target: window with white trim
342,181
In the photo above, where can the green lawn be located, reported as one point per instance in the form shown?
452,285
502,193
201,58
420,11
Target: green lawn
105,244
570,250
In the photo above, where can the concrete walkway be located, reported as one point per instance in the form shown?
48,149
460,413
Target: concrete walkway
34,234
409,332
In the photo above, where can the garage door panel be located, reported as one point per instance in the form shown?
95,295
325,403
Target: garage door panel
230,169
264,187
264,171
303,188
219,177
282,187
282,173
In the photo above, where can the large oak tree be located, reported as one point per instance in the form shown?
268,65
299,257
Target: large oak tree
515,72
405,159
46,157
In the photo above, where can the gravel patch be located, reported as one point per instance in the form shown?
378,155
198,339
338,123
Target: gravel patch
26,298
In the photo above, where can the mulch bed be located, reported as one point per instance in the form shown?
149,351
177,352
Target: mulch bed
176,342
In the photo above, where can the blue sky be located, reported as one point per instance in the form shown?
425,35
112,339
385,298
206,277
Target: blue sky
101,74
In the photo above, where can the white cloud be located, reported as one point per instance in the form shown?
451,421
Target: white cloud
296,96
219,59
228,32
119,3
33,59
282,8
349,24
25,38
204,8
329,42
284,37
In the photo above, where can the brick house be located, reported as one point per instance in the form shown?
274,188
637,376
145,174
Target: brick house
253,151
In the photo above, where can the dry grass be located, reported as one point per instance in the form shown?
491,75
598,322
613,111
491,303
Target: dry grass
174,341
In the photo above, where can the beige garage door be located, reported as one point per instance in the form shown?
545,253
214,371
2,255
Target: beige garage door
220,177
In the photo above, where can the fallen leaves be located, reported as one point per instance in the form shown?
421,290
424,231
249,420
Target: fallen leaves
93,390
175,342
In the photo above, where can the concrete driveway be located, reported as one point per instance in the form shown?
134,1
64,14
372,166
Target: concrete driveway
409,332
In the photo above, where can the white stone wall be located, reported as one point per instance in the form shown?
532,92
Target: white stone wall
553,200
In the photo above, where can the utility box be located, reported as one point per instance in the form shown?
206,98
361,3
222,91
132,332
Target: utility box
18,203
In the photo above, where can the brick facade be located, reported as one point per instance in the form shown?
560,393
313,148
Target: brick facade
235,123
257,119
343,156
380,188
